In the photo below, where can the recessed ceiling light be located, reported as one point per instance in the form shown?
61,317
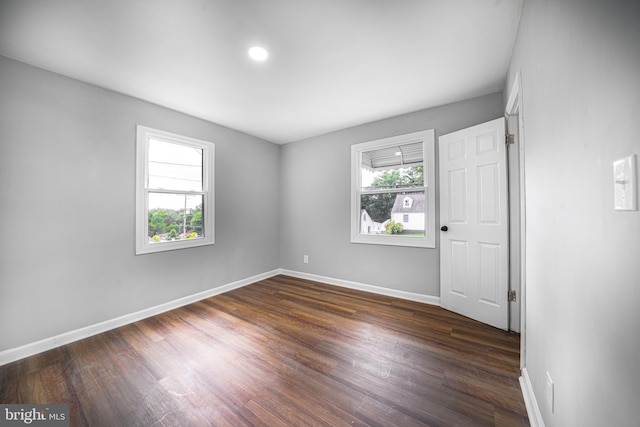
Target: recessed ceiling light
258,53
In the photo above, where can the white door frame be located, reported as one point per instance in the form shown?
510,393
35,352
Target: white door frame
514,106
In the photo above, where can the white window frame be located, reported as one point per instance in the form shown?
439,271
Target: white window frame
427,137
143,135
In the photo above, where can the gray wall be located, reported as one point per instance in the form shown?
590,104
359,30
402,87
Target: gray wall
67,163
315,202
580,65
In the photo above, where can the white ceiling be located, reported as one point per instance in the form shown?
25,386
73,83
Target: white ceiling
333,63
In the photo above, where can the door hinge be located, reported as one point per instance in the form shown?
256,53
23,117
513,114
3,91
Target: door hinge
511,296
510,139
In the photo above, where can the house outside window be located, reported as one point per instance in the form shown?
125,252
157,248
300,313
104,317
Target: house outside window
393,190
174,191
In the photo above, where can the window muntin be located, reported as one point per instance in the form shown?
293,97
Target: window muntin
393,194
174,193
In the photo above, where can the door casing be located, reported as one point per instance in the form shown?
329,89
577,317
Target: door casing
513,108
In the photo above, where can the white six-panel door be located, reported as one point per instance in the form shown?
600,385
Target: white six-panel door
473,215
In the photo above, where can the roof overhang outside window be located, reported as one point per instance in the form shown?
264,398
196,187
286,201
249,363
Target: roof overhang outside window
408,155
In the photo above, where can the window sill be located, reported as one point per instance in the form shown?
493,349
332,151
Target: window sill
411,242
172,246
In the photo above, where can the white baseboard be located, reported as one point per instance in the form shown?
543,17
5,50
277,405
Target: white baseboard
533,410
427,299
13,354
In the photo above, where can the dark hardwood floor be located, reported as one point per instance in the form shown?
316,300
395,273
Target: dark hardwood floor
283,352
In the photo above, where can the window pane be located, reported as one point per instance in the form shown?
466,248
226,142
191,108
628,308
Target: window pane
395,156
175,217
392,178
393,167
395,214
174,166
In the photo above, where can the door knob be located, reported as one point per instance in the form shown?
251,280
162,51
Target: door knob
444,228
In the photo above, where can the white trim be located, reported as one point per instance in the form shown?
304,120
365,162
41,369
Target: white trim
533,410
514,98
143,135
426,299
427,137
515,105
13,354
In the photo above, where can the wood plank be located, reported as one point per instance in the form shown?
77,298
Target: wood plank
283,352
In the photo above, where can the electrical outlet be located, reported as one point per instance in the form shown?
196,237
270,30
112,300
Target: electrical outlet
550,392
305,259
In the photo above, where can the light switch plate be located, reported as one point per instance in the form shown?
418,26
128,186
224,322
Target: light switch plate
625,184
